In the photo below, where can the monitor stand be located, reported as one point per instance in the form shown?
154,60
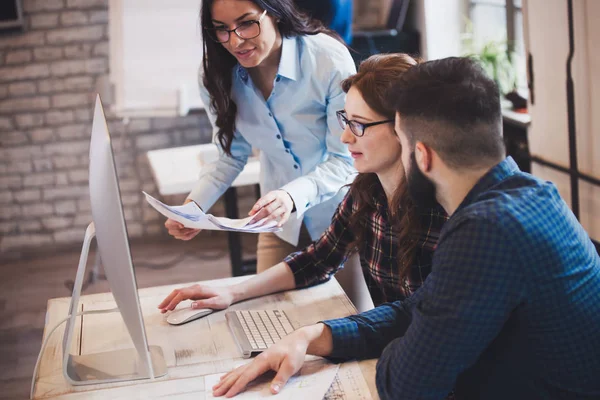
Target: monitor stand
110,366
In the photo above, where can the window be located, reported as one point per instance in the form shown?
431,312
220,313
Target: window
501,21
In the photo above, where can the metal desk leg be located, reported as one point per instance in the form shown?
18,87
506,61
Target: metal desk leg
239,266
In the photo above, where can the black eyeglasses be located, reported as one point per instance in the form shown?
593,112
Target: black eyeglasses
357,128
245,30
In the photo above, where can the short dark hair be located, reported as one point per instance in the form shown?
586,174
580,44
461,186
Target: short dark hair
452,106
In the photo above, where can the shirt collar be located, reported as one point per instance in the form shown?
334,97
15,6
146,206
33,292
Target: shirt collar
497,174
289,64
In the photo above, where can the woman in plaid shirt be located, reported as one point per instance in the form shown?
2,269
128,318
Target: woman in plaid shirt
394,238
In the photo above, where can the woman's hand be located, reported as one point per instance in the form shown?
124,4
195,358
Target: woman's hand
178,231
274,206
216,298
286,357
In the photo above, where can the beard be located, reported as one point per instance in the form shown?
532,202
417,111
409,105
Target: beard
420,188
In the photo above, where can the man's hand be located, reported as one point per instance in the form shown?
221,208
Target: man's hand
216,298
285,357
274,206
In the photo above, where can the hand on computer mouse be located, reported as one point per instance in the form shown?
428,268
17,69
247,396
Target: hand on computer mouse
216,298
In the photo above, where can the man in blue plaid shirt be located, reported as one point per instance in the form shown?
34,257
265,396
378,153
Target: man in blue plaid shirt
511,309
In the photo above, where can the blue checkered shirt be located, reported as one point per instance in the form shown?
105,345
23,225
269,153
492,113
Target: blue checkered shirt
511,309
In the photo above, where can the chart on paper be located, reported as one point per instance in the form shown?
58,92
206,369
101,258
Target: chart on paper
312,382
349,384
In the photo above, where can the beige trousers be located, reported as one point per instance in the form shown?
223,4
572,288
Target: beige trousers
271,250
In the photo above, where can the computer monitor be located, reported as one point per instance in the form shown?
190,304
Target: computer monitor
108,226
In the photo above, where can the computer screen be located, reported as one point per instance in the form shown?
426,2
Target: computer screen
110,230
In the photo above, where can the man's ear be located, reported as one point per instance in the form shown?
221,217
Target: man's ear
423,156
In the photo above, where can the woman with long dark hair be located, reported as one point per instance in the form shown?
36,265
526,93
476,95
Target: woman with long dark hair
394,238
270,80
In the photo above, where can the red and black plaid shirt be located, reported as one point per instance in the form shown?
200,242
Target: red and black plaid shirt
378,253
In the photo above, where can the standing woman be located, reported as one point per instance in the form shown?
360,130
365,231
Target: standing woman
271,80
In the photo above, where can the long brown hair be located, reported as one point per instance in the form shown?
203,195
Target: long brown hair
218,63
374,78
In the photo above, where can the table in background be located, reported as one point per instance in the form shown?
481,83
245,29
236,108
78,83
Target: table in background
191,351
176,171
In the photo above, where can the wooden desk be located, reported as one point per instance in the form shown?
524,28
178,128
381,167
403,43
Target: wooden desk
176,171
199,348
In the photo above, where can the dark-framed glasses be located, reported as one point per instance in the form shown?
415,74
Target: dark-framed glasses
357,128
245,30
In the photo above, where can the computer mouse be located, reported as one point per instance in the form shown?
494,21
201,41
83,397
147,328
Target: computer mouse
187,314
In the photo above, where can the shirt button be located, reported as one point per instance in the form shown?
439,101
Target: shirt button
295,166
278,136
270,114
287,151
278,79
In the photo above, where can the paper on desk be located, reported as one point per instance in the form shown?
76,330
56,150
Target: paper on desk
191,216
312,382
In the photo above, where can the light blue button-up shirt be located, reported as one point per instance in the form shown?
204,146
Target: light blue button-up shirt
296,131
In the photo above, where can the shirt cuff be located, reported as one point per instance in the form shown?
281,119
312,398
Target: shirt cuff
345,336
303,191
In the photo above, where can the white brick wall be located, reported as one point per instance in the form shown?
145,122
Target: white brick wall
48,78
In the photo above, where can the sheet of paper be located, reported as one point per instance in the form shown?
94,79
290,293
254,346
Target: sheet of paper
311,382
191,216
349,384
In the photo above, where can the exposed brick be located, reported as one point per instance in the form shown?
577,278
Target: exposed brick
8,227
79,176
62,179
168,124
10,211
13,139
6,124
10,182
18,57
20,167
3,91
83,115
72,18
69,100
82,50
135,229
33,6
130,199
84,205
26,121
129,185
62,162
150,215
96,66
22,40
44,21
54,223
40,210
79,83
73,131
24,241
75,35
11,106
138,125
30,226
68,148
73,235
99,17
22,89
42,135
67,68
67,207
20,153
26,72
48,53
80,4
82,219
60,193
152,141
5,197
42,164
101,49
39,180
59,117
154,230
28,196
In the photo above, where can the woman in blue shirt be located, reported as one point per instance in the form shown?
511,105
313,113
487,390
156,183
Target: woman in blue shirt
271,81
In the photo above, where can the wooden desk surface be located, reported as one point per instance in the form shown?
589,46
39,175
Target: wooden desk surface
198,348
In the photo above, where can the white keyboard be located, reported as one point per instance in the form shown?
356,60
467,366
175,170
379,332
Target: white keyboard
255,330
